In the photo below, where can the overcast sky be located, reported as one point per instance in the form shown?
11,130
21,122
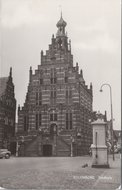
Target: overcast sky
94,29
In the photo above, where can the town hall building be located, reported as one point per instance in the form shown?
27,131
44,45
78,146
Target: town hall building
55,118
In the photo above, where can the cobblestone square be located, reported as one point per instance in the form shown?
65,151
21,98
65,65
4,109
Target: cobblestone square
58,173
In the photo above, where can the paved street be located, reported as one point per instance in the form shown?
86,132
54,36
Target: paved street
57,173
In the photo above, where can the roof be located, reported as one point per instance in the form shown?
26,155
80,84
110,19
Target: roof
3,83
99,121
61,22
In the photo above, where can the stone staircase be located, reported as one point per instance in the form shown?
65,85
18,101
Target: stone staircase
63,146
31,147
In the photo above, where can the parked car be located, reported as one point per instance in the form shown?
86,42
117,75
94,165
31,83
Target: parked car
4,153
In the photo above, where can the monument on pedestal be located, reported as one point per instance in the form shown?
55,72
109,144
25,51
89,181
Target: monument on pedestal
99,148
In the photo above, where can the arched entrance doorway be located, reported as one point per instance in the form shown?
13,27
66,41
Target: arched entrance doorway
47,150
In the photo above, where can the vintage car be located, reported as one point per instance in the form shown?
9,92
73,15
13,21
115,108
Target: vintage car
4,153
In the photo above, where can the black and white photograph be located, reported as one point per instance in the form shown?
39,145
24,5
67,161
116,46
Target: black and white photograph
60,94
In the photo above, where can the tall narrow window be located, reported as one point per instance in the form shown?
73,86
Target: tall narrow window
26,123
40,119
53,117
53,96
68,95
66,77
36,98
68,120
36,121
41,80
40,98
53,78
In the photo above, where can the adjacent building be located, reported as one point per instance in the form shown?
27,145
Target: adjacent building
7,112
55,118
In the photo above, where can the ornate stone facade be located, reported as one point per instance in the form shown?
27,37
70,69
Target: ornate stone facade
7,112
54,120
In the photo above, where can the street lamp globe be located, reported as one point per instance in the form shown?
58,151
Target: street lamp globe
101,90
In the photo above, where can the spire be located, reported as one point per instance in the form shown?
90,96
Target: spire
61,13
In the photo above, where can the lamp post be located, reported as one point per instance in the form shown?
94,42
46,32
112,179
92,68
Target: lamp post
17,146
106,84
72,140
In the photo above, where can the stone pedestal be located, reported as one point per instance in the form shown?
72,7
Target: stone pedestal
99,148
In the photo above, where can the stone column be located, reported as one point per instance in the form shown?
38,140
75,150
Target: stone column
99,148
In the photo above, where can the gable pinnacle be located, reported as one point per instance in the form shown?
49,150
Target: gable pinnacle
10,73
